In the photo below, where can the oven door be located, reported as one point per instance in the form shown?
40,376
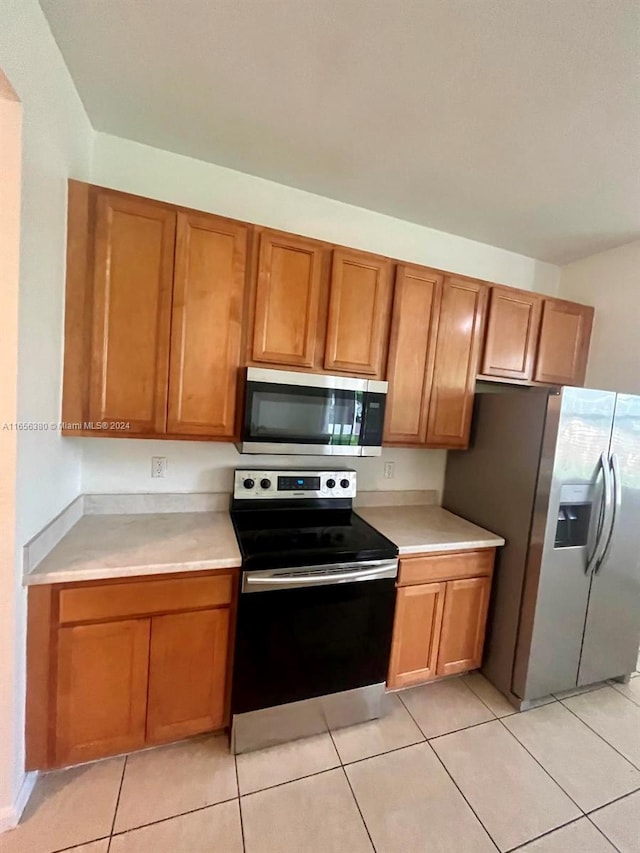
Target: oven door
311,414
311,636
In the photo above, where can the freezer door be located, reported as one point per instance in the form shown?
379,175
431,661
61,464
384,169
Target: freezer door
556,591
612,631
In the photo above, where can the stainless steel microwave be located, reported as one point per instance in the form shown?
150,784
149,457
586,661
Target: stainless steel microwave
310,414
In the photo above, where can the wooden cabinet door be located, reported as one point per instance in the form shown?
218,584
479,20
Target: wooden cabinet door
463,625
416,305
456,361
133,275
101,696
187,674
564,342
511,338
208,298
416,634
287,300
359,311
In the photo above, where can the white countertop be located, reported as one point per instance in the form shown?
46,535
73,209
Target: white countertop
427,529
114,546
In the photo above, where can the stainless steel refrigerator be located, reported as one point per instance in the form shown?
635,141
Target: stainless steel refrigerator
556,472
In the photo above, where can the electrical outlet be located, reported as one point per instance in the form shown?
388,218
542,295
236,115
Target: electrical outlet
389,470
158,466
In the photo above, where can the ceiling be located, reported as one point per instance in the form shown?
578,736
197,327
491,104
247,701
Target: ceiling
512,122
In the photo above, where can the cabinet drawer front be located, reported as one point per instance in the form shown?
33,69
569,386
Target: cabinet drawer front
441,567
119,600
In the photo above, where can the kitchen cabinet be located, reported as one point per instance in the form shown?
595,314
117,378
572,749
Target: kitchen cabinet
565,333
131,306
359,313
114,666
414,649
441,612
101,693
187,672
463,623
457,354
287,300
511,339
165,306
414,324
206,325
153,320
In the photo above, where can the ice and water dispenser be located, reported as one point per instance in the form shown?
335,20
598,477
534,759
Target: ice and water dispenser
574,516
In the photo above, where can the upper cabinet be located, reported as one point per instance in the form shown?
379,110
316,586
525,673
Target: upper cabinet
457,355
416,308
131,307
359,309
165,306
206,325
154,314
511,338
565,333
287,300
532,338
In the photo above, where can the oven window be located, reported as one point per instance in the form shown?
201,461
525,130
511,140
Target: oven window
298,643
301,415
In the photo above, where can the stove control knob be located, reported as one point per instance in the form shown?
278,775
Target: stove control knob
265,484
331,484
345,483
249,483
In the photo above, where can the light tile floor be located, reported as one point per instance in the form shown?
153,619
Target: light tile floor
451,769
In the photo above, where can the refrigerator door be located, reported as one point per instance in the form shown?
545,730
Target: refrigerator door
612,630
567,521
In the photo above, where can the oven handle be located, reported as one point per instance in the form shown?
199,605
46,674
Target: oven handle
259,581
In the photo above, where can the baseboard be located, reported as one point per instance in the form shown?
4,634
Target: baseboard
10,815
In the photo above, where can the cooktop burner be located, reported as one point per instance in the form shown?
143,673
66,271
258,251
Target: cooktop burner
282,525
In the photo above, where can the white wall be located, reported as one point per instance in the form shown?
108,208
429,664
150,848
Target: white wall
124,465
120,465
57,143
611,282
137,168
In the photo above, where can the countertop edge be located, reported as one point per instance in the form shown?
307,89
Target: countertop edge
72,575
435,548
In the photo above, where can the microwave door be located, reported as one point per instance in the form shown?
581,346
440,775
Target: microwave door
307,414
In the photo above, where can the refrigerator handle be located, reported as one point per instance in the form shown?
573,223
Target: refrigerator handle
614,467
603,514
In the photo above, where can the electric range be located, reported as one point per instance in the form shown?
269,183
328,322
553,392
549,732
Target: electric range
315,614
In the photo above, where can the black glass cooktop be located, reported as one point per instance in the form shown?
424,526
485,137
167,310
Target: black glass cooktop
304,537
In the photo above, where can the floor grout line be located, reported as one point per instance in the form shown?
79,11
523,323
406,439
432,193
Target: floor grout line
548,832
615,846
81,844
290,781
353,793
115,811
617,687
611,802
172,816
555,781
473,811
235,764
602,738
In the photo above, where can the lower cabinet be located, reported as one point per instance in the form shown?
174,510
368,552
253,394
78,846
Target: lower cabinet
441,613
463,623
101,695
187,673
113,667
